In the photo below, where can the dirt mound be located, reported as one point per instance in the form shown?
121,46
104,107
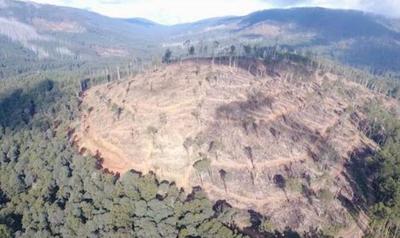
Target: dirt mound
276,144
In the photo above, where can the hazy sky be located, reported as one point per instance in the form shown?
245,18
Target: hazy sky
179,11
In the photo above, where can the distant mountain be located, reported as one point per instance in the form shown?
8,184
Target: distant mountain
352,37
35,33
330,25
31,34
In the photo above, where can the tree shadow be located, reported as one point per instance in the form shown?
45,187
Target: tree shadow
18,108
256,231
360,171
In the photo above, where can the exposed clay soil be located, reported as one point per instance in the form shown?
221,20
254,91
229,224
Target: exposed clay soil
296,124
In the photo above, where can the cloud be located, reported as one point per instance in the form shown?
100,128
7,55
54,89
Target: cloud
383,7
386,7
286,3
180,11
111,1
166,11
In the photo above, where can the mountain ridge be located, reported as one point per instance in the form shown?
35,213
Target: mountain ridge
67,34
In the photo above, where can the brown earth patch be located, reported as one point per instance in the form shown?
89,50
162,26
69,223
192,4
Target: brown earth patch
234,133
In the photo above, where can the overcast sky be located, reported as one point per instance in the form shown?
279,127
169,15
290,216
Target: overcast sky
180,11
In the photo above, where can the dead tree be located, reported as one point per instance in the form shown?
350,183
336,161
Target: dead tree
222,174
118,74
215,47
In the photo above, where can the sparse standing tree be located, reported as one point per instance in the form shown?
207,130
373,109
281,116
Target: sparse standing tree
201,48
108,77
232,52
192,50
247,50
201,166
249,153
186,45
215,47
222,174
167,56
280,182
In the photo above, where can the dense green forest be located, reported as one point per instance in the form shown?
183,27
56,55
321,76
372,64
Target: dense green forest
378,174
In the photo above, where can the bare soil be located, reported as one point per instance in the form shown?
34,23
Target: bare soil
251,127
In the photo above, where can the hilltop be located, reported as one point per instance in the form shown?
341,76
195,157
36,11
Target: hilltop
258,140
